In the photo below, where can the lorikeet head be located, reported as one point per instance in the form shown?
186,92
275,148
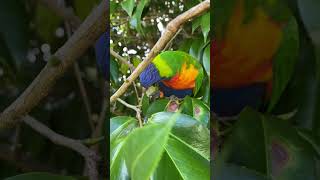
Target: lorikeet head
102,54
150,76
176,73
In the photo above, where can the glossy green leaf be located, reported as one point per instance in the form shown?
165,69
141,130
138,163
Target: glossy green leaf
157,106
205,25
118,168
120,127
186,106
196,108
196,47
166,169
143,148
128,6
201,111
206,60
40,176
196,24
269,146
190,164
188,130
284,61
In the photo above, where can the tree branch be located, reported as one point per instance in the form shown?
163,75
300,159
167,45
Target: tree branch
76,145
171,29
80,41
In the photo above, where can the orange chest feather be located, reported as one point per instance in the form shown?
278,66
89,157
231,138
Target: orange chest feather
245,54
185,79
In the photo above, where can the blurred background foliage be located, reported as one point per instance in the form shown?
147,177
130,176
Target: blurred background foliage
283,144
135,27
30,33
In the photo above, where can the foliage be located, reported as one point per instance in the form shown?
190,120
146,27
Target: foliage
282,143
174,140
30,33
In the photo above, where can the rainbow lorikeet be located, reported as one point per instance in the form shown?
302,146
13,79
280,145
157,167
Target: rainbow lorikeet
102,54
175,72
248,36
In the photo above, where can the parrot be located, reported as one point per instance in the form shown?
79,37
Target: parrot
176,73
246,41
102,54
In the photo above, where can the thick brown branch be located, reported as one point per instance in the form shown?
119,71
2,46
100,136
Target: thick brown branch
80,41
169,33
76,145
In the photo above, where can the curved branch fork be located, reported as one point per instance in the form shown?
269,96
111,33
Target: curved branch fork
86,35
171,29
89,155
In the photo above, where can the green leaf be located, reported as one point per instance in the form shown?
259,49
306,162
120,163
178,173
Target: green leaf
136,18
124,68
144,147
120,127
190,164
196,23
201,111
269,146
166,169
188,130
206,60
145,104
196,108
40,176
195,49
284,61
114,71
186,106
205,25
157,106
128,6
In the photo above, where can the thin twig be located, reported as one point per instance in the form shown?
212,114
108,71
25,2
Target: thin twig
124,61
86,35
90,156
135,108
171,29
136,90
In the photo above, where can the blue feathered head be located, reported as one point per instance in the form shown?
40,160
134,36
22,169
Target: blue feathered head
149,76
